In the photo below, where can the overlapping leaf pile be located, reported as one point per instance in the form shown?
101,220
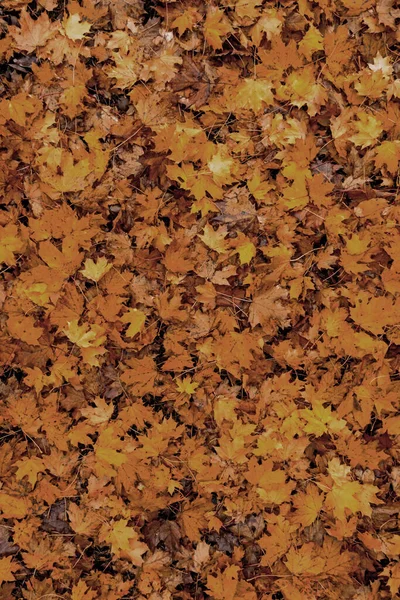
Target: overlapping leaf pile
200,292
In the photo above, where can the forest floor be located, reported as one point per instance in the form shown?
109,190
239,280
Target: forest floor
200,300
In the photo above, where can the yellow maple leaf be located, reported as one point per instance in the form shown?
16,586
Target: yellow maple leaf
186,386
72,99
311,42
321,420
258,187
368,129
215,239
83,336
270,24
136,319
96,270
74,28
254,94
346,496
216,26
124,71
222,166
245,248
124,541
73,177
19,107
358,244
302,88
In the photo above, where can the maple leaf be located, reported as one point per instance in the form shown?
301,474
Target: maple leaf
247,8
23,328
79,334
301,561
7,568
14,507
186,386
381,64
10,243
216,26
194,520
73,177
162,68
33,33
186,20
278,541
197,182
142,376
311,42
215,239
95,271
393,574
308,505
82,521
234,351
136,319
368,130
19,108
346,495
258,187
72,99
224,585
270,24
268,311
74,28
29,467
301,89
81,591
125,70
101,414
338,562
375,313
388,153
321,419
245,248
254,94
222,166
108,452
124,541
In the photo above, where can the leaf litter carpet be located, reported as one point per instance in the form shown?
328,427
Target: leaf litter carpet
200,300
